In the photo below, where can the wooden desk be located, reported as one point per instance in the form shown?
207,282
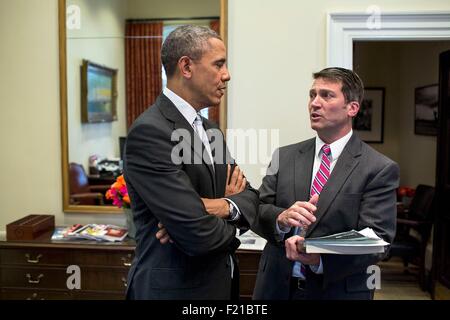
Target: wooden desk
37,270
95,180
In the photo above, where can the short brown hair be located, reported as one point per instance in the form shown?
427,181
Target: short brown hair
352,85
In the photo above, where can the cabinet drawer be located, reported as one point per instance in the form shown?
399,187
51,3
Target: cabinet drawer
104,279
29,277
248,261
247,284
103,258
99,295
34,256
33,294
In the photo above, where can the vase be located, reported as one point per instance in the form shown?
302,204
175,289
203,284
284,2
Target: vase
130,222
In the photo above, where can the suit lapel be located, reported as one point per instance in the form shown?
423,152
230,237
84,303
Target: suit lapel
169,110
346,163
304,161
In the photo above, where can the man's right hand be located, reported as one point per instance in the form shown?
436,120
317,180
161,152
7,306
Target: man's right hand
300,214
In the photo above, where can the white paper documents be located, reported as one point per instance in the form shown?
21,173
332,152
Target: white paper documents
350,242
251,241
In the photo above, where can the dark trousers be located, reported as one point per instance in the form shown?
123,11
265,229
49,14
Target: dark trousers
235,294
297,289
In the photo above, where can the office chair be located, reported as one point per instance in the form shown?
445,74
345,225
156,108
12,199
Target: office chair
81,193
419,217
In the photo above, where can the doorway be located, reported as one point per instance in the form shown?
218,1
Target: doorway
346,28
408,74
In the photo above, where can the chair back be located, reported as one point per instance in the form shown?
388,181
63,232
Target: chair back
422,203
78,180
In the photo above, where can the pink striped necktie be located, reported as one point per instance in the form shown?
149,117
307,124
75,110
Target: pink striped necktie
320,180
323,173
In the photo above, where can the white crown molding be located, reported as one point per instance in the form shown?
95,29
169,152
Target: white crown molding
344,28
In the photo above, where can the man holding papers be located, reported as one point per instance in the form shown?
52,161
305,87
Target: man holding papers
319,187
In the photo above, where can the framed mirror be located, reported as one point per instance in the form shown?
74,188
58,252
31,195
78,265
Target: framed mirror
95,33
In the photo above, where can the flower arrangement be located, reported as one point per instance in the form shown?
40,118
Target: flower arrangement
404,191
118,193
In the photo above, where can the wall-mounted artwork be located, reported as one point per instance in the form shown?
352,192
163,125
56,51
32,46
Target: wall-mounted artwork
98,93
369,122
426,113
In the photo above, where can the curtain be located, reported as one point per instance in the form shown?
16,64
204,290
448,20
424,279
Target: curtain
214,112
143,43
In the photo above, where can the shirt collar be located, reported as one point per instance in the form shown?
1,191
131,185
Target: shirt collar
336,147
188,112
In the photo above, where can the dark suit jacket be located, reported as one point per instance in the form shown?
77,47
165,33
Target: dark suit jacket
165,188
359,193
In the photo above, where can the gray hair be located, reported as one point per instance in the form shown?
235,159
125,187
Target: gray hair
187,40
352,85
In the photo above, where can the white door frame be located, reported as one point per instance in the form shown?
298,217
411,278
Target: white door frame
344,28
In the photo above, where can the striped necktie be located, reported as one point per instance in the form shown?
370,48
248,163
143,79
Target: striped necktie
319,182
323,173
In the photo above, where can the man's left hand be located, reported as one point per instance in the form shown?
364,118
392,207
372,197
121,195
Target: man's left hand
236,182
295,251
162,235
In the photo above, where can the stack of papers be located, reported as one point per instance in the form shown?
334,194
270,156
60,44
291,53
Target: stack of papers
98,232
251,241
350,242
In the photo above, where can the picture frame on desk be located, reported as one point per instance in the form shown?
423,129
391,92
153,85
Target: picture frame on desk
369,122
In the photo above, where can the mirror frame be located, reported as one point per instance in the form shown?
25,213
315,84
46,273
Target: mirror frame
67,207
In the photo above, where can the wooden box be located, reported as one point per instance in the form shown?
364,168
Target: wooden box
30,227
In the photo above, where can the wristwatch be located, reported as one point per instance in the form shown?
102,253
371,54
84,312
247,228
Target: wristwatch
233,212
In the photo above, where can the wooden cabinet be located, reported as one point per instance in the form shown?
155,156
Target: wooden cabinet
248,267
38,270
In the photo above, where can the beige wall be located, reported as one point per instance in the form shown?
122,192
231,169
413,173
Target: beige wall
273,48
401,67
29,122
100,40
146,9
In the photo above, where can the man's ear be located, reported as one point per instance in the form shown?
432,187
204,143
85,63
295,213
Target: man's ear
353,108
184,65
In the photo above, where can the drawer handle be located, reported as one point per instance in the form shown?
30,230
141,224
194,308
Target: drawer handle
34,296
34,281
29,260
125,284
127,260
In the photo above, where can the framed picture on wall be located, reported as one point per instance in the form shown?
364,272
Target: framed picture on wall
98,93
369,122
426,110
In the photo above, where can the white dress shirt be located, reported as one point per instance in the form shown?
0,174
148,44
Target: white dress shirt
336,149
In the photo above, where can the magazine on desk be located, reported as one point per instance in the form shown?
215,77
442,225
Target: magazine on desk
97,232
350,242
